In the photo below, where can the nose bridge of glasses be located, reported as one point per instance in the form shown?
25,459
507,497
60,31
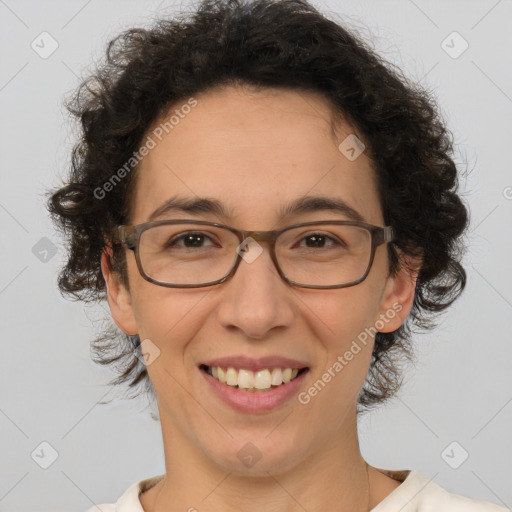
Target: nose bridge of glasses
260,236
267,238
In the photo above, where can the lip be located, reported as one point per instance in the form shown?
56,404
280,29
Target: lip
256,364
254,402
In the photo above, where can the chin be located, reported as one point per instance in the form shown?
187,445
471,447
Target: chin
257,458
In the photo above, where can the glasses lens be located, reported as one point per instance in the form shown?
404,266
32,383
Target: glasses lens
184,254
324,254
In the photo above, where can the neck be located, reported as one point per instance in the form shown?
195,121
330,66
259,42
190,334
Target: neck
333,473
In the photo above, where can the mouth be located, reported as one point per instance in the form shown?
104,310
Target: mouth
261,381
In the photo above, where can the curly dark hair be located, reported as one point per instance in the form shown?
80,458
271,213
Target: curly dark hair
264,43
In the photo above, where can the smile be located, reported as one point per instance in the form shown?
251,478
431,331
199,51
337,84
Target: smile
253,381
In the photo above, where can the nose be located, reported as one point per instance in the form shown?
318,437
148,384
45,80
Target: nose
256,299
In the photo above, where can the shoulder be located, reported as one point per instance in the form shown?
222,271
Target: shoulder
436,498
129,501
419,494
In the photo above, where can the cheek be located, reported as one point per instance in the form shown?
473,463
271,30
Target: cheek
168,321
354,344
344,356
340,316
166,316
344,323
163,314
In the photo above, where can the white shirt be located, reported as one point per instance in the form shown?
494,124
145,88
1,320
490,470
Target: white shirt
415,494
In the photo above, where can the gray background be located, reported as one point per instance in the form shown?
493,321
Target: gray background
460,389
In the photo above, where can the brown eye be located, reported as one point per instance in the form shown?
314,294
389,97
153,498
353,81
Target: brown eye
190,240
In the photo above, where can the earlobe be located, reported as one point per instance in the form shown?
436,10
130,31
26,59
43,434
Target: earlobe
119,298
399,293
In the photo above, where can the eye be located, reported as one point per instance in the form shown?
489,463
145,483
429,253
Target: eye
320,240
190,240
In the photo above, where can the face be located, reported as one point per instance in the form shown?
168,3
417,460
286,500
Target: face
256,152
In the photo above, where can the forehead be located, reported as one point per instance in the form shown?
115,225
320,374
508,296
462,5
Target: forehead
254,151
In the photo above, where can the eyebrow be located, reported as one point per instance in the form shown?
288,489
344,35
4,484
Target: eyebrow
304,204
308,204
191,205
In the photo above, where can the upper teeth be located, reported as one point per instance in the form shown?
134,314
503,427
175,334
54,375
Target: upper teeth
262,379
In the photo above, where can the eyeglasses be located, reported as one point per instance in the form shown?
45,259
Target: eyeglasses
193,253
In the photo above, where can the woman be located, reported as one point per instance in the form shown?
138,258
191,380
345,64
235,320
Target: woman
268,208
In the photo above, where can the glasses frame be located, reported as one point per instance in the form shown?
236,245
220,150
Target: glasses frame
129,236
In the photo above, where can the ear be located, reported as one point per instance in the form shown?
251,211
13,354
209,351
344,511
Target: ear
398,295
119,298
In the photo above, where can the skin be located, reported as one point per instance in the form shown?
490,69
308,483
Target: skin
255,151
